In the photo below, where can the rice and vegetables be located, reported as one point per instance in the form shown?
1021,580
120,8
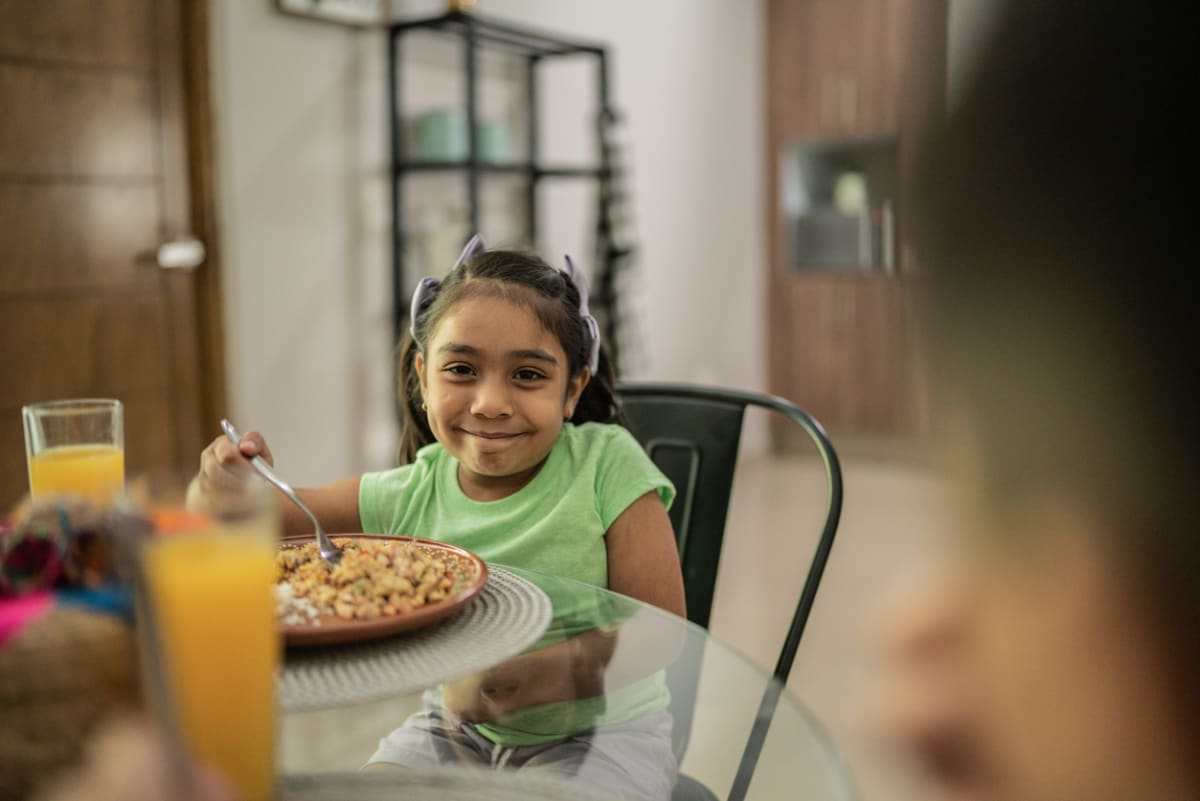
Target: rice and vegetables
375,578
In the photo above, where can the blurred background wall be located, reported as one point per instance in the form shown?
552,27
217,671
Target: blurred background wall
969,22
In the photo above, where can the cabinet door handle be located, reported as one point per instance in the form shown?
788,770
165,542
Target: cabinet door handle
848,102
829,104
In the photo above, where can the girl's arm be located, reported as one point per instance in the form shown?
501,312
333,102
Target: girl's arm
224,465
335,505
643,561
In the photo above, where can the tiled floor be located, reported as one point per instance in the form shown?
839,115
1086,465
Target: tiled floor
893,519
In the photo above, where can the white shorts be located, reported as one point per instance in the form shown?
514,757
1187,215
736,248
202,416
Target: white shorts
633,758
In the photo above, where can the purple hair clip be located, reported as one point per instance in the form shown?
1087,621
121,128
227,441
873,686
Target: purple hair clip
580,280
427,287
423,295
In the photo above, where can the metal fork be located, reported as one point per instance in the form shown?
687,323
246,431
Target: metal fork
329,552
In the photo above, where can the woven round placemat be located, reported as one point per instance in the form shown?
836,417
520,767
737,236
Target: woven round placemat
440,784
508,616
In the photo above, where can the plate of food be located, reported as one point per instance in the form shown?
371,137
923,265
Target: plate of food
384,585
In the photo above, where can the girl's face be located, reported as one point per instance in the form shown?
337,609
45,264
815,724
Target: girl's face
497,389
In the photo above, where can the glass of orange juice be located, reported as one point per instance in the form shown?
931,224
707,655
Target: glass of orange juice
210,580
76,446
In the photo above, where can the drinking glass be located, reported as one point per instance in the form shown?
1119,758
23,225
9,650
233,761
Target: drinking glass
76,446
209,579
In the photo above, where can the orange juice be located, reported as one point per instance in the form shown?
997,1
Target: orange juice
213,593
94,471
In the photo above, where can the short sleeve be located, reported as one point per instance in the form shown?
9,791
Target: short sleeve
625,473
368,502
380,499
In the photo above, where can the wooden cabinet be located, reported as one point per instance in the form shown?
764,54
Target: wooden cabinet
843,353
843,344
835,66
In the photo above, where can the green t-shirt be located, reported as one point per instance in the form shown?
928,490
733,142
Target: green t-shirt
554,524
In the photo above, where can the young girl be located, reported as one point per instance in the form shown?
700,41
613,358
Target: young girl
511,445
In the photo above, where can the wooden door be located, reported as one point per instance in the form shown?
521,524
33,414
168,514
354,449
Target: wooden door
104,116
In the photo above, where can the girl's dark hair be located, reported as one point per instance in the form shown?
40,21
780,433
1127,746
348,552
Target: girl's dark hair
526,280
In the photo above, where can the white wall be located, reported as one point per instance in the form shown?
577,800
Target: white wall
970,21
302,154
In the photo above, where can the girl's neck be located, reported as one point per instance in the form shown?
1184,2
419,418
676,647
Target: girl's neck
495,488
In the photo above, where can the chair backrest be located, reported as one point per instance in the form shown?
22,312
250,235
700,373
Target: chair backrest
692,433
694,440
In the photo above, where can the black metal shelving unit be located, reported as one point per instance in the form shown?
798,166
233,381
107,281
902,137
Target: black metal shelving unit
535,47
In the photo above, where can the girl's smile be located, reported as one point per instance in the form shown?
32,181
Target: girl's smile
490,435
497,388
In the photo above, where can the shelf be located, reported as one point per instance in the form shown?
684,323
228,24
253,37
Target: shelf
512,168
465,161
838,204
489,31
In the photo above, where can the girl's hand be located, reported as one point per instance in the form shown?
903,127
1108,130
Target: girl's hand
571,670
224,467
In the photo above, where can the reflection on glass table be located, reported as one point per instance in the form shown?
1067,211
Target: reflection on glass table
615,696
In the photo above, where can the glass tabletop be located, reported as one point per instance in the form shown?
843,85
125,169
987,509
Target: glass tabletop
614,697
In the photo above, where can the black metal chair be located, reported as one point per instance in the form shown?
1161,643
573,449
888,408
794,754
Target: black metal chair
692,433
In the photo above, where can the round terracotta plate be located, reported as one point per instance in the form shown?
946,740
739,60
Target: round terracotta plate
330,629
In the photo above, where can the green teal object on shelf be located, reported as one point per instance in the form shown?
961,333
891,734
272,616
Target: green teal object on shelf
442,135
492,139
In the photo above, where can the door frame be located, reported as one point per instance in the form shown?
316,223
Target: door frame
202,192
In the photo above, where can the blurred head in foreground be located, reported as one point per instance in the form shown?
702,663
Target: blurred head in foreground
1051,216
